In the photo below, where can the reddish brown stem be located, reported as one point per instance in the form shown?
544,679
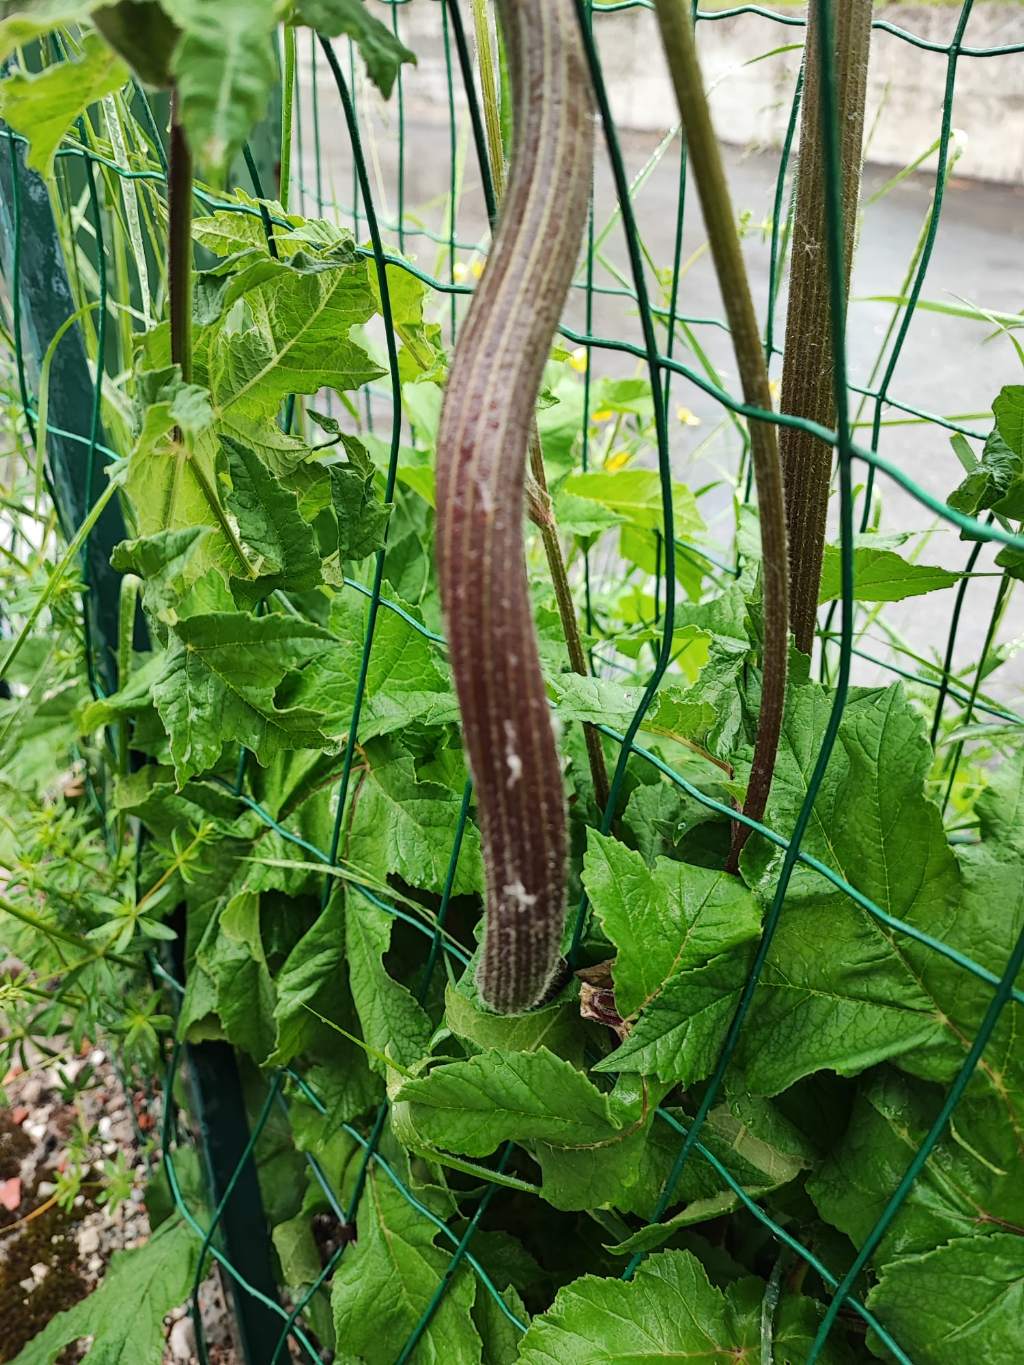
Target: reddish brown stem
709,173
179,243
807,379
481,465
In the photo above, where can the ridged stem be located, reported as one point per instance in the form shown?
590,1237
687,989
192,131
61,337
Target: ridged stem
287,111
489,97
723,238
807,378
543,517
482,447
538,501
179,244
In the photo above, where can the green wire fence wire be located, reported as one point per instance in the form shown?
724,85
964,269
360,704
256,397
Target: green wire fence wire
333,92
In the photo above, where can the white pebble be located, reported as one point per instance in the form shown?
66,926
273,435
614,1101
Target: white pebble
182,1340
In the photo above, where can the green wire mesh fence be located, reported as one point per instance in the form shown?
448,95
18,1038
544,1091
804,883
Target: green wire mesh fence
322,92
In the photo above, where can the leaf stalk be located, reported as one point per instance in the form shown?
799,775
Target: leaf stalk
709,173
807,375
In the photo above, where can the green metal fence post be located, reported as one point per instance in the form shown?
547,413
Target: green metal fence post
32,261
30,250
219,1106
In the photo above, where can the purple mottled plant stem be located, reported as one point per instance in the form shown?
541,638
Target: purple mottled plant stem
482,443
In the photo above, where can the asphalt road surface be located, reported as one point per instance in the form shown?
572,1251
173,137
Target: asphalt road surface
947,365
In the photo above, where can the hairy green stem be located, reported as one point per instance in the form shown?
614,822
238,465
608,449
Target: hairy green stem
57,576
807,375
543,516
482,449
287,109
720,221
51,931
489,97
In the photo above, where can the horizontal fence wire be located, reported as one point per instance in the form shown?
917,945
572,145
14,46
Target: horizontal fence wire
360,212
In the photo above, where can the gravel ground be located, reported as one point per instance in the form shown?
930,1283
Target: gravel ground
947,364
51,1257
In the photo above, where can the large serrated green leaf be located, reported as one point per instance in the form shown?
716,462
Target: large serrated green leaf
881,576
218,682
269,523
754,1143
669,1311
224,69
294,337
499,1337
169,563
677,712
234,958
394,1024
403,826
840,990
625,1172
22,22
384,1283
972,1184
361,513
963,1301
680,1033
1008,410
380,48
664,919
634,495
310,979
406,683
44,105
173,456
472,1106
998,481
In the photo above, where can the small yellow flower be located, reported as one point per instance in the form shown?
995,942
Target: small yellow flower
459,272
578,360
774,388
603,415
476,270
618,460
687,417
